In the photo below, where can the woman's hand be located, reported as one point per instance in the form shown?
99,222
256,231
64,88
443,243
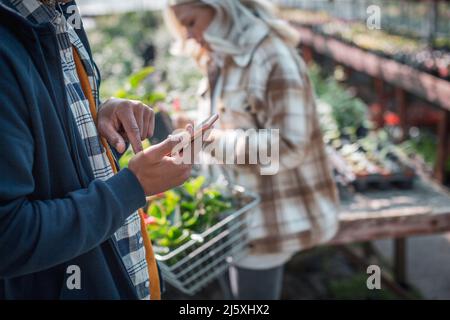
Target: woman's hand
122,120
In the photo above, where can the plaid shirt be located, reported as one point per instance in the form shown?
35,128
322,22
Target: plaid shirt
271,89
129,239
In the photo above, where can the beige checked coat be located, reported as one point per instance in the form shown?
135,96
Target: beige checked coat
270,88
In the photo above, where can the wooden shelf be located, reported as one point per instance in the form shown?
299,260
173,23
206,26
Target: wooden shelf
425,209
426,86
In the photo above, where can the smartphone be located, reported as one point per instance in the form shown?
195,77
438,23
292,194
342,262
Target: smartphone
203,126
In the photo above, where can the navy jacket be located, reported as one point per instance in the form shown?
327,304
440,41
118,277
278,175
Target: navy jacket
53,214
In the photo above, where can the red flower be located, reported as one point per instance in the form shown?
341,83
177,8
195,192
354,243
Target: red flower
391,119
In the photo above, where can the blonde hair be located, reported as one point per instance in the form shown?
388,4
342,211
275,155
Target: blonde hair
181,46
261,10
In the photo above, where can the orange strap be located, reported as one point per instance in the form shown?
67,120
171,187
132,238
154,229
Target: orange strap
155,291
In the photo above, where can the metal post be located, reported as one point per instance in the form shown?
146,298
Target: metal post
400,262
381,100
443,142
432,21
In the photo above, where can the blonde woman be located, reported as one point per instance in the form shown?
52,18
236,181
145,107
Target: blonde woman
257,80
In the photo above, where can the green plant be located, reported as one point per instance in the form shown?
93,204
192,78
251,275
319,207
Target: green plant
139,86
174,216
425,145
347,111
119,43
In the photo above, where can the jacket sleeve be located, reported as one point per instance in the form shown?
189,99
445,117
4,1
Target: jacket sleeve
288,105
38,234
280,97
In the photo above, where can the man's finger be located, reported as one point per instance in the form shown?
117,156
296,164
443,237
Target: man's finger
139,116
132,130
144,131
165,148
114,138
151,122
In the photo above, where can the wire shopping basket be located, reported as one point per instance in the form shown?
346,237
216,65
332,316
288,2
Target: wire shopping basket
196,263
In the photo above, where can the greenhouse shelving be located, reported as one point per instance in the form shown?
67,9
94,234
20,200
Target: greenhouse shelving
404,78
395,215
425,19
424,85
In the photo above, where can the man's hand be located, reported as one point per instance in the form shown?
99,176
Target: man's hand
156,170
122,120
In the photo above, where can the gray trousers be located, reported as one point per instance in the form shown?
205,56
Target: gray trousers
250,284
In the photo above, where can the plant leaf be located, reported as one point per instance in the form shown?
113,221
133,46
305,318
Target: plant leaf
136,78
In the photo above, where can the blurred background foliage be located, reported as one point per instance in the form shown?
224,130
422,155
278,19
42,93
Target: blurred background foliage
128,44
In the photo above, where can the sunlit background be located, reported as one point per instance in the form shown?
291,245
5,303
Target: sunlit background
357,103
